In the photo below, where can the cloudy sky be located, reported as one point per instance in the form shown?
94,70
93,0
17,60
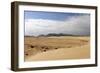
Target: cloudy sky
38,23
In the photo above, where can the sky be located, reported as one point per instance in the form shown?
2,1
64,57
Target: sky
42,23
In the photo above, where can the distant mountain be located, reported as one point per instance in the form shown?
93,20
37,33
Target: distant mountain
54,34
60,34
29,36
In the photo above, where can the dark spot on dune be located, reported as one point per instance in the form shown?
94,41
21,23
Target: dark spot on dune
44,50
26,54
41,47
47,48
32,46
56,48
69,47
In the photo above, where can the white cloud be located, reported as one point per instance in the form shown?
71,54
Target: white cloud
75,25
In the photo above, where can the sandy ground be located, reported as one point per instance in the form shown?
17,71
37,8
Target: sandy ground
56,48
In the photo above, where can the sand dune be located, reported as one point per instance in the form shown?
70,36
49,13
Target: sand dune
38,49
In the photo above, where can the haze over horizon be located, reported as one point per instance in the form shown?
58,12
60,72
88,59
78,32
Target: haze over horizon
43,23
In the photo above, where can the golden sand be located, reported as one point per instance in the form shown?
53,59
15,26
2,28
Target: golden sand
56,48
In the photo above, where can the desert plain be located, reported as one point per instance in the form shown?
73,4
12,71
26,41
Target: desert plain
56,48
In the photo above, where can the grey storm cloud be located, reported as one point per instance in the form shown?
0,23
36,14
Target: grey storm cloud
77,25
